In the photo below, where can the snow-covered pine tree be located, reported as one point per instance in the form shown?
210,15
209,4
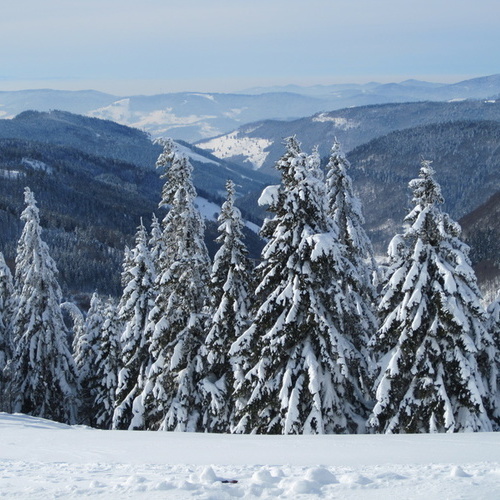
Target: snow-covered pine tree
78,319
494,316
171,398
106,366
84,352
357,280
6,316
156,243
434,351
6,311
135,304
44,381
127,263
493,312
231,286
298,366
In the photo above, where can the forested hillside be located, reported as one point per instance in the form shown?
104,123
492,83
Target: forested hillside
260,144
94,180
90,208
465,155
108,139
482,232
91,135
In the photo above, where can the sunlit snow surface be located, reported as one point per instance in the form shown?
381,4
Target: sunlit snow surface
42,459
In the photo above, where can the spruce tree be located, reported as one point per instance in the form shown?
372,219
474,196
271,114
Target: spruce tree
357,279
44,380
7,309
493,312
230,287
85,353
494,317
135,304
156,243
434,351
106,366
171,397
300,373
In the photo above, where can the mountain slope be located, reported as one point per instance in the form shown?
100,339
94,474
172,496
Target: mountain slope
466,156
94,180
260,144
89,208
481,229
110,140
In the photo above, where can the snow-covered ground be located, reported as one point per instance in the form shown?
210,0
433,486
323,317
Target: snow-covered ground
230,145
43,459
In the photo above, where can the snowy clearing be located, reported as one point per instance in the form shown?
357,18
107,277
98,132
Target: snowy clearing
207,209
231,145
339,122
43,459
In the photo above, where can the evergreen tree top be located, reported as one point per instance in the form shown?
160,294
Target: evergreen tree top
314,163
427,221
426,191
166,156
31,212
177,174
230,216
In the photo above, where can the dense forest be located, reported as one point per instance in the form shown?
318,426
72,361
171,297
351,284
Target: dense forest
316,338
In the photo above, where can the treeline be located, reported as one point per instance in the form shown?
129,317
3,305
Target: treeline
316,339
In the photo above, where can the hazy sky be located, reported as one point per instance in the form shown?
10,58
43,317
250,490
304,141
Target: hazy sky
154,46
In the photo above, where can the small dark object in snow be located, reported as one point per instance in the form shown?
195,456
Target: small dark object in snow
229,481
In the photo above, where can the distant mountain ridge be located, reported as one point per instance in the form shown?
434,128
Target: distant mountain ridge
352,94
193,116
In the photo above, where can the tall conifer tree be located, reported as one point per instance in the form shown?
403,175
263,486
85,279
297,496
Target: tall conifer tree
357,279
107,364
6,316
298,366
136,302
85,354
231,288
171,398
435,353
44,379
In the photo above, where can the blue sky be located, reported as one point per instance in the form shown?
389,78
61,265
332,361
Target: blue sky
153,46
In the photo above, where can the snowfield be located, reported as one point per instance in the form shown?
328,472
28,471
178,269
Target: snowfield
230,145
43,459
